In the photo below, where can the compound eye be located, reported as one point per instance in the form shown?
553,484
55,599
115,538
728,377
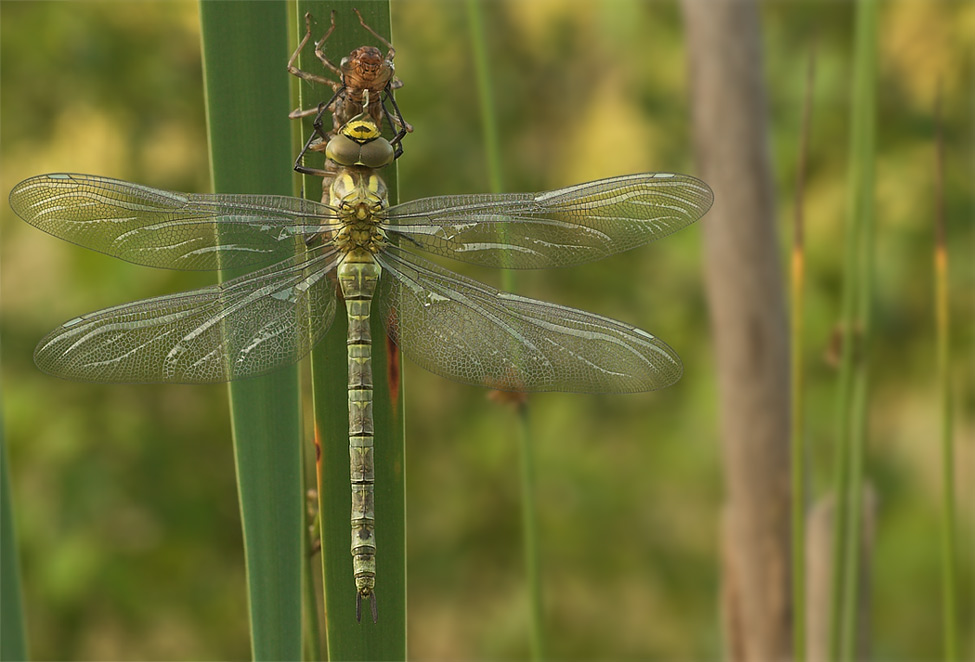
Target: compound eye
376,154
342,150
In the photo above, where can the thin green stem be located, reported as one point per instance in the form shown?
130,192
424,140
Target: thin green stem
13,643
854,550
797,450
858,296
949,548
485,93
949,553
312,633
529,519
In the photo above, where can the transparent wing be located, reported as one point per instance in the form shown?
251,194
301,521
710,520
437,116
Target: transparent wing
241,328
162,229
472,333
559,228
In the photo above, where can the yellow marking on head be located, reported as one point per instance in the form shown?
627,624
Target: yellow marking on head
361,130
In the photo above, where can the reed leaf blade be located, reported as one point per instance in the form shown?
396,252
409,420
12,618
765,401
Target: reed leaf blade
244,51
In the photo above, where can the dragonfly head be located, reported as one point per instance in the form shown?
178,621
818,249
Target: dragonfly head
360,143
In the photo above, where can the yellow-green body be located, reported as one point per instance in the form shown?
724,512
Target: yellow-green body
360,196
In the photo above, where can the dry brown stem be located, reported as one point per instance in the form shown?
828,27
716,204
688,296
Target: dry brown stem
747,307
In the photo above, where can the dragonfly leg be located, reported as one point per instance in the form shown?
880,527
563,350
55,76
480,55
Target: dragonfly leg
318,137
392,51
320,53
398,120
294,70
292,62
405,127
298,113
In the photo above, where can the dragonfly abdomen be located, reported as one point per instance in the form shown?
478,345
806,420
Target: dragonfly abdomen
358,282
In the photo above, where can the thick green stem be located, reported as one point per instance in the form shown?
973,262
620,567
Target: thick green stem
349,639
247,99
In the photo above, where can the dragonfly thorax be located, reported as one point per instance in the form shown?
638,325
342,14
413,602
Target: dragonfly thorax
360,238
359,196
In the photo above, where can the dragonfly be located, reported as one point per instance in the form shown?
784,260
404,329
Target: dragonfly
299,249
363,72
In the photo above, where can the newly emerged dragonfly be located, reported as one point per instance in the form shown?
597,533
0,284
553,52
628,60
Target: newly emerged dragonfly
271,317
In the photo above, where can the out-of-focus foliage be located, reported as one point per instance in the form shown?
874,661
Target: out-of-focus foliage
125,494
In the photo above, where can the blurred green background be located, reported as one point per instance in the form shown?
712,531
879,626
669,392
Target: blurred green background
125,495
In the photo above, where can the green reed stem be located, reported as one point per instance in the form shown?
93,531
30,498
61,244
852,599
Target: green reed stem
485,93
949,549
529,518
797,450
13,643
247,98
529,525
856,334
346,638
313,641
797,457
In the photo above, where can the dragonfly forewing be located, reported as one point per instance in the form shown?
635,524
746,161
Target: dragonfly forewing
466,331
451,325
569,226
241,328
160,228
